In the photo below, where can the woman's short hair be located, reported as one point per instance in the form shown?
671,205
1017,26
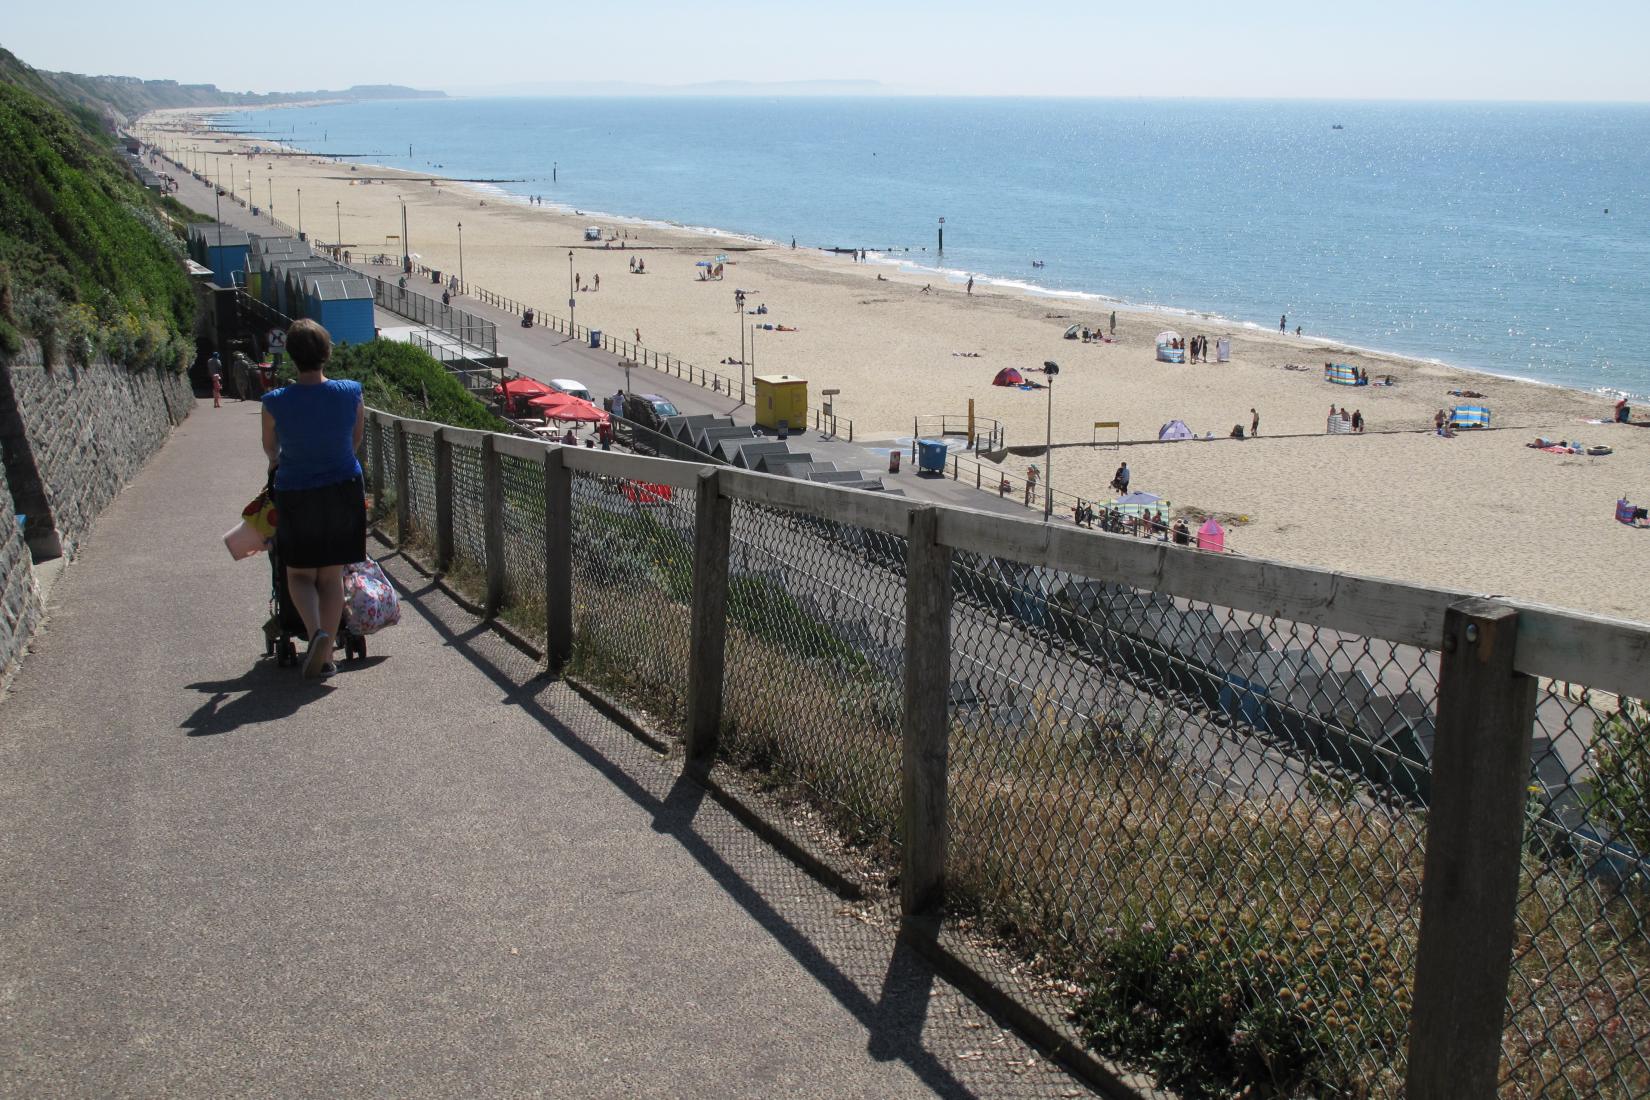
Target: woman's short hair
308,344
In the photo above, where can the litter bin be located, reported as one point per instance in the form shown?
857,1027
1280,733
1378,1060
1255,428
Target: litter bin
595,337
930,456
435,277
893,460
784,429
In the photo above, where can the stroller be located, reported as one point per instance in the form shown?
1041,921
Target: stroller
285,628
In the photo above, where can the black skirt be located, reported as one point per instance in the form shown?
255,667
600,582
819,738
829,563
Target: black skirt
325,526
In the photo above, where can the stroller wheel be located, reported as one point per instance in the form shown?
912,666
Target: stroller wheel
288,655
356,649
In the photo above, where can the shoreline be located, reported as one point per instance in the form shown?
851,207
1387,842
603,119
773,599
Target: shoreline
1479,513
1029,291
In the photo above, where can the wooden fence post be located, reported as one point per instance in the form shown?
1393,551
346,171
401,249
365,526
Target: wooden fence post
492,522
558,559
403,489
926,729
375,453
1474,850
707,634
443,501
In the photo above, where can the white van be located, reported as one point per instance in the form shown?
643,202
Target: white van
572,386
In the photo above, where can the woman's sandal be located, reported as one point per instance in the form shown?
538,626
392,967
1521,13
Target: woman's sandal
313,661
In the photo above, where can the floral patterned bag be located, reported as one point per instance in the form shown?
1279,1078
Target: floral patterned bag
370,598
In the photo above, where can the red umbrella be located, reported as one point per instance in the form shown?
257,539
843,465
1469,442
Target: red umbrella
522,387
564,406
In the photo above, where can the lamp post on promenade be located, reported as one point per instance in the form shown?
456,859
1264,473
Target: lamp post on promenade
1050,369
300,213
272,199
572,325
461,257
337,212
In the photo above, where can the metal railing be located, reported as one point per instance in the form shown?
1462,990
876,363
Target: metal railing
1258,825
435,314
984,433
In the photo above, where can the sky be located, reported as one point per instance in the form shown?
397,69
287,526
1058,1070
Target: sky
1322,49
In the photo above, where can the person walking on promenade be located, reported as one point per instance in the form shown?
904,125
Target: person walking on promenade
214,367
311,432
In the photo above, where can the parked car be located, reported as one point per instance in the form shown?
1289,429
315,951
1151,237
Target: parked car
649,410
572,386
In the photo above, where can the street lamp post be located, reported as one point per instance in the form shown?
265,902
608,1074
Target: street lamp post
461,257
300,213
1050,369
272,200
572,324
337,212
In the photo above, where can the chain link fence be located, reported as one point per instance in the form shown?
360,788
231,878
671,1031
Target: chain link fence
1199,830
464,326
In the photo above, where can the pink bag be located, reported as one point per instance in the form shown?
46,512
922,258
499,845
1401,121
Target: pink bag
370,597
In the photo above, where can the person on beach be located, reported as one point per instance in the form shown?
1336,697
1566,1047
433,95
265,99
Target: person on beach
1113,331
1254,422
311,432
1120,480
638,336
1358,421
1283,323
971,286
596,279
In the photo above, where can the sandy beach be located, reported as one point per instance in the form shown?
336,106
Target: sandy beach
1480,511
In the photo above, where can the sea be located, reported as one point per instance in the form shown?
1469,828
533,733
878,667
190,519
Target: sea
1507,238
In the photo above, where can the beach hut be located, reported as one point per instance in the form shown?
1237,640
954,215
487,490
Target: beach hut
1174,429
1469,416
1223,350
1008,376
342,304
781,399
1211,536
1167,352
1340,374
223,248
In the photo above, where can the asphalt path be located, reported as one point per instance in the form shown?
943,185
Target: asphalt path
436,874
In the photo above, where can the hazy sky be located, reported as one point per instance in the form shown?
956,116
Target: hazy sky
1357,49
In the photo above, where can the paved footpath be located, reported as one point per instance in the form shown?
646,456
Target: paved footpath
434,875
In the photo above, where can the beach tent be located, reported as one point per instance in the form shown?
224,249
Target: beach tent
1174,429
1073,331
562,406
1008,376
1223,350
1211,536
1469,416
1340,374
1166,352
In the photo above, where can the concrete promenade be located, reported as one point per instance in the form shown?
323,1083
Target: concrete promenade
434,875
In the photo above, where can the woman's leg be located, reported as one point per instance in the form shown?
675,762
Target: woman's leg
329,584
301,585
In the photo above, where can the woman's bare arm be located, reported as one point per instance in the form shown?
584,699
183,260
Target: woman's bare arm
272,443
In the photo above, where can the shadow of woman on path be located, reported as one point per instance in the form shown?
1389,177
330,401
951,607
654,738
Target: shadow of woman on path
264,693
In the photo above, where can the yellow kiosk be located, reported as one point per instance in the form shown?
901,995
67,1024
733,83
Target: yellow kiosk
781,397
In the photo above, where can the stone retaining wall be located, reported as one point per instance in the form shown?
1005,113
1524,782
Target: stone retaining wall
75,436
19,598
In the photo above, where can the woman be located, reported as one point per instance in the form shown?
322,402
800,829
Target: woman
312,430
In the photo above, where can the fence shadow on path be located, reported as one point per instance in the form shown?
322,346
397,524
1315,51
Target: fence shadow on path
909,1015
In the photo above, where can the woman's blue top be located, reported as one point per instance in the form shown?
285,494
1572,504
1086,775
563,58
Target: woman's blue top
316,427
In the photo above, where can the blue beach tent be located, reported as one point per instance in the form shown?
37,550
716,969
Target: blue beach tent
1469,416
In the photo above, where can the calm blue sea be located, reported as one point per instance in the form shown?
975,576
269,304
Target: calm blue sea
1476,234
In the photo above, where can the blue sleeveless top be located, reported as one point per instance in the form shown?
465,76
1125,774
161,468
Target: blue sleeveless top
316,426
